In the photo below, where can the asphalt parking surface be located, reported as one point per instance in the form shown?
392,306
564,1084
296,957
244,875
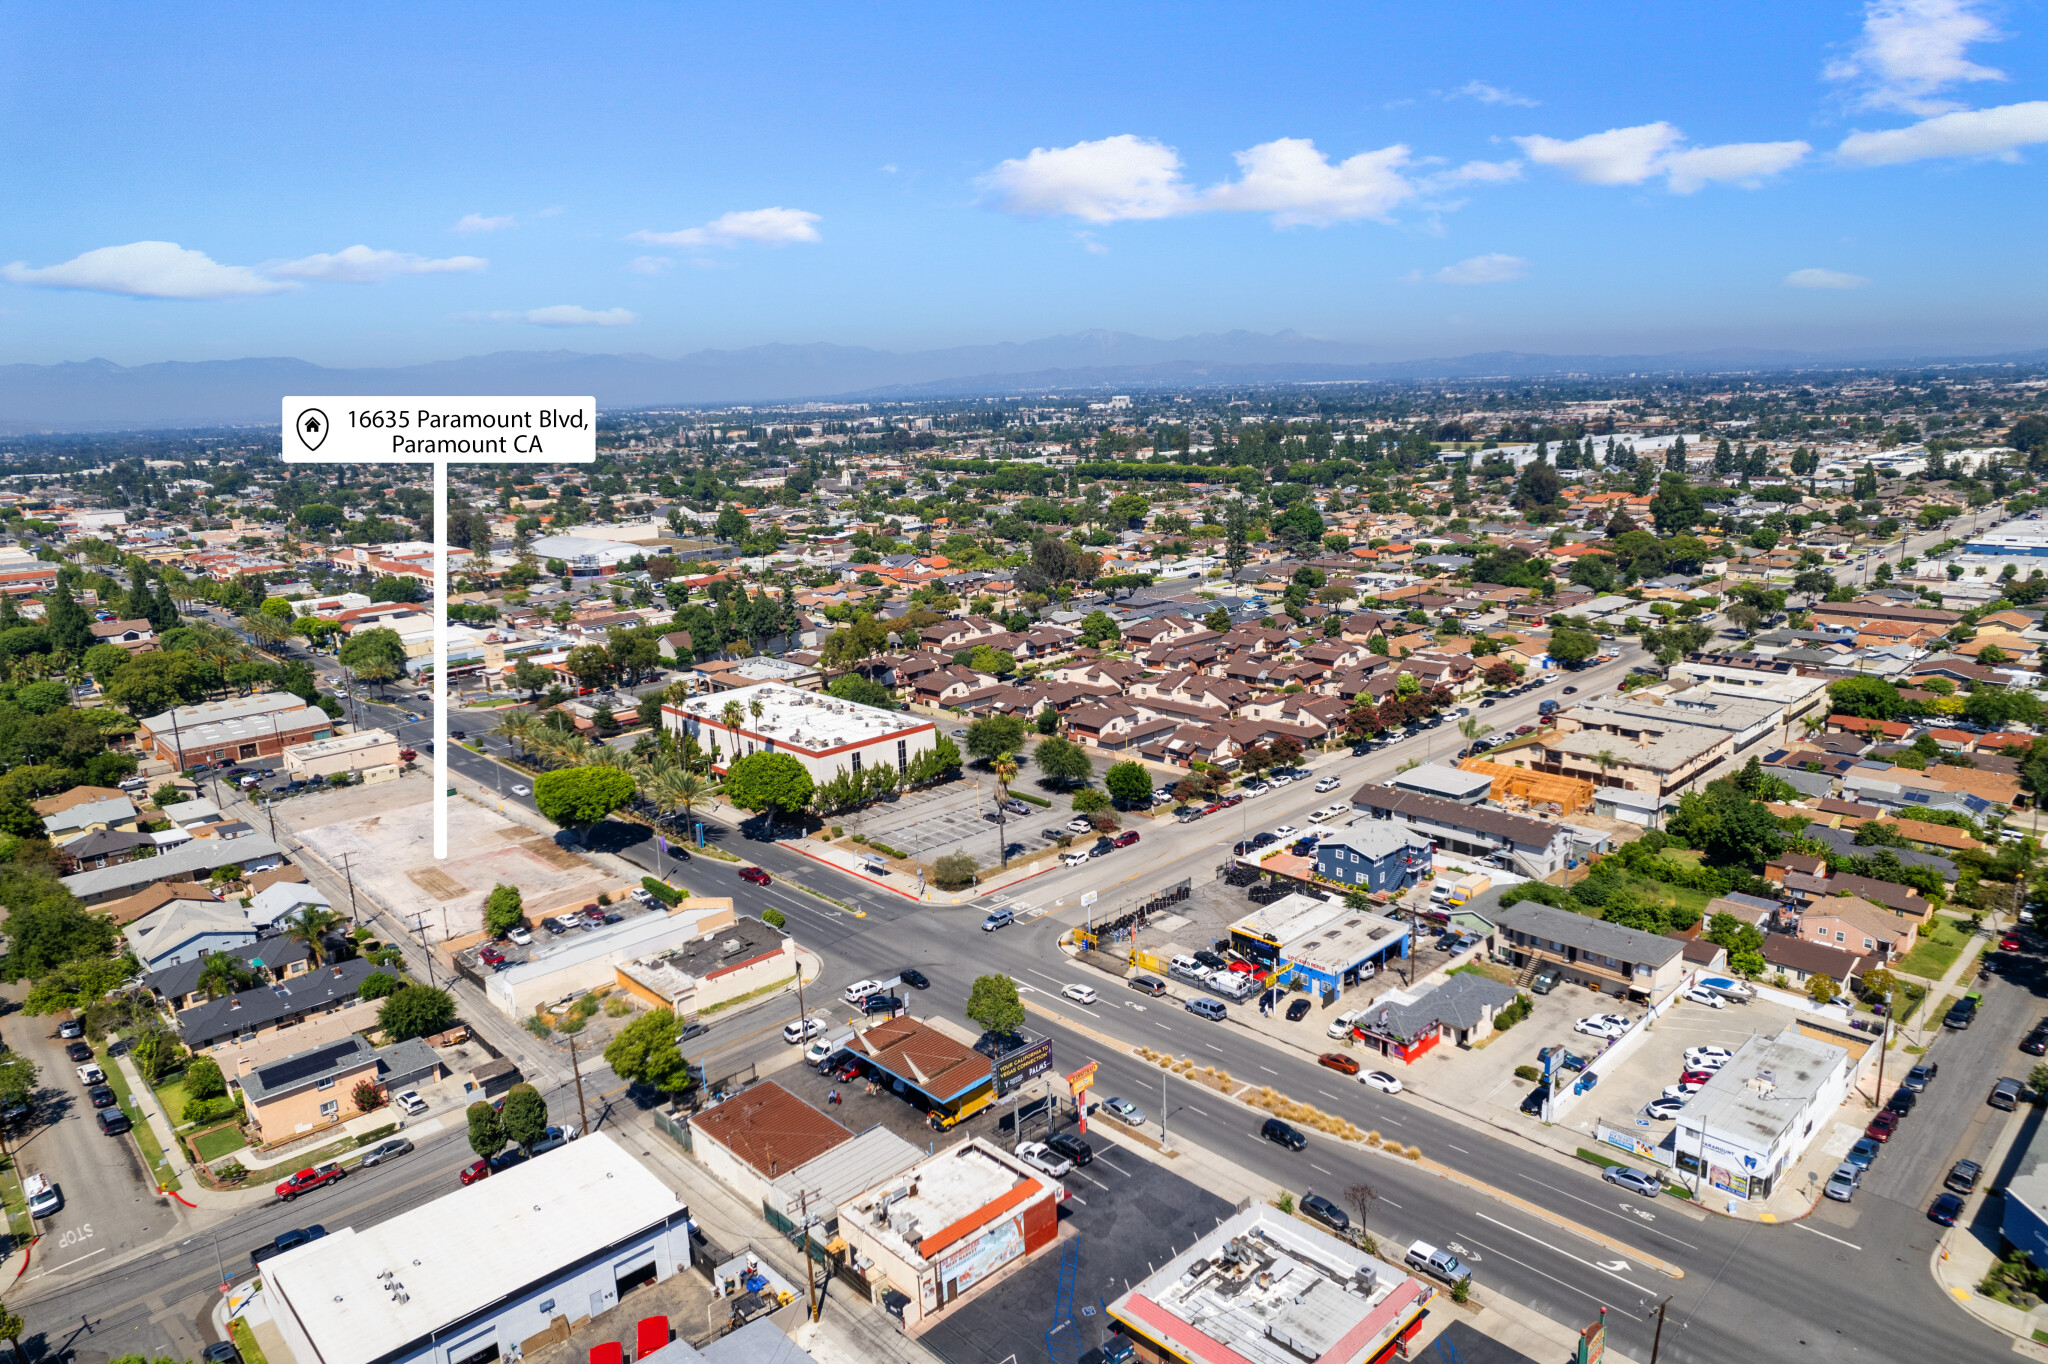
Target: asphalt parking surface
1126,1216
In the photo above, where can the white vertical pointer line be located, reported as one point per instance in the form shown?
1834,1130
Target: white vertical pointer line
441,660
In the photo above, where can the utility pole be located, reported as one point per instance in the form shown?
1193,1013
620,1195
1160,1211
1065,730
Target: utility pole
420,927
1657,1341
803,1203
353,916
582,1114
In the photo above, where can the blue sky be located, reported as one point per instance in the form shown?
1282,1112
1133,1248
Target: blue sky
399,186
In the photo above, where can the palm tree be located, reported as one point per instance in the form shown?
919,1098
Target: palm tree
673,787
1605,757
224,974
1472,727
757,708
517,729
309,928
1005,768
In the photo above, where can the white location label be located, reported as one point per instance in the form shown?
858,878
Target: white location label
333,430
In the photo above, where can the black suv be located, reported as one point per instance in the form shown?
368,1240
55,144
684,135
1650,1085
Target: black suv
1276,1130
1902,1102
1071,1146
1961,1015
1212,961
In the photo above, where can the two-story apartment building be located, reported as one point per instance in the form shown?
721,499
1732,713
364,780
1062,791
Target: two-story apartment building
1625,962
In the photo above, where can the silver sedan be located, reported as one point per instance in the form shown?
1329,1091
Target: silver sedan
389,1149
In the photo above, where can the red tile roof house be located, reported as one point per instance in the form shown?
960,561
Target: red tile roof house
1870,729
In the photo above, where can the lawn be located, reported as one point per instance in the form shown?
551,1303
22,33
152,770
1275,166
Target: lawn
171,1094
1660,892
217,1143
1941,942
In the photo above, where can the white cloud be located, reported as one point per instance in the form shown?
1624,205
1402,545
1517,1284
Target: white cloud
1619,156
1741,163
1999,131
1105,181
1630,156
362,265
1090,245
649,265
1298,185
570,315
146,270
1824,279
1912,50
761,226
1492,268
1493,94
1126,177
477,222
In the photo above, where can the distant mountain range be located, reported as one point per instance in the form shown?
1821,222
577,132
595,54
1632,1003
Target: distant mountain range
100,395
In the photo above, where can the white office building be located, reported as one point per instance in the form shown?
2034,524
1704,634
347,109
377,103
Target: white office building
827,735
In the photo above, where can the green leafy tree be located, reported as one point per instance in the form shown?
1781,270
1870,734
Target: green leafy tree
1099,630
645,1052
78,985
993,1003
863,691
954,870
416,1011
1129,783
1726,825
378,985
772,782
525,1116
1869,698
1088,801
995,736
1218,620
376,655
1572,647
578,797
1062,760
152,683
1820,989
504,910
203,1079
486,1130
47,927
1048,721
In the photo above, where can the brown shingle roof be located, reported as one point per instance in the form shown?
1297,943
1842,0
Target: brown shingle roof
924,1056
770,1128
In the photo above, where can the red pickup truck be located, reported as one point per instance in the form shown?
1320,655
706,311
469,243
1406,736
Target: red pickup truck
305,1181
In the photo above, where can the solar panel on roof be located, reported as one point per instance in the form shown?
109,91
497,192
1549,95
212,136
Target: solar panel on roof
295,1068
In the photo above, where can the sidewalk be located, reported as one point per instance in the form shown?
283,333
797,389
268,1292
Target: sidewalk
1969,1250
860,866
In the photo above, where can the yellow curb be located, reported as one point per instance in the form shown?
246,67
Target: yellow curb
1444,1171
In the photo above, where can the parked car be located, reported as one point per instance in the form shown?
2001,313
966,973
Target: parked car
475,1170
410,1103
1863,1153
1695,1077
1039,1156
1963,1176
1545,982
1946,1208
389,1149
1125,839
1124,1111
1600,1025
1534,1100
1339,1062
519,936
1700,995
802,1030
44,1197
79,1051
70,1028
1441,1264
288,1240
1282,1134
102,1096
2036,1043
1662,1109
1328,784
90,1074
1148,985
756,876
1842,1184
1882,1126
1078,858
1635,1181
305,1181
113,1122
1917,1078
1326,1212
1070,1146
1902,1101
1080,824
1297,1011
1380,1080
1707,1058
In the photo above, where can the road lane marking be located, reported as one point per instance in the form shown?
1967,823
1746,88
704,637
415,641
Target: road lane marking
1092,1180
1612,1274
58,1269
1269,1070
1326,1094
1603,1208
1192,1109
1459,1149
1836,1239
1331,1173
1554,1279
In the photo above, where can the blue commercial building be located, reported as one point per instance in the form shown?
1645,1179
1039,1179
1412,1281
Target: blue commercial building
2024,1216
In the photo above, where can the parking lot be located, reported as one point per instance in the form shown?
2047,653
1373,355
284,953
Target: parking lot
951,817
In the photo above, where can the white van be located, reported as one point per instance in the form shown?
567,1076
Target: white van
1187,968
44,1197
1233,984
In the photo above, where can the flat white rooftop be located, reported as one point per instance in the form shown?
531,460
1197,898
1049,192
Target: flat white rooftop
465,1250
941,1190
808,721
